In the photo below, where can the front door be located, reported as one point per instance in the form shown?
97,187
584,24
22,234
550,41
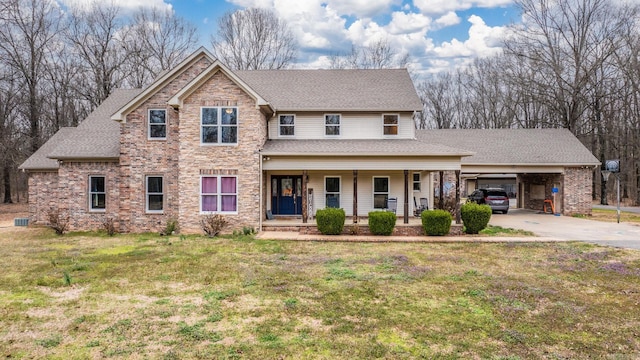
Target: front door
286,195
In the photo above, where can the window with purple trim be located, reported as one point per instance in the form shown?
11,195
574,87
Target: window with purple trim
219,194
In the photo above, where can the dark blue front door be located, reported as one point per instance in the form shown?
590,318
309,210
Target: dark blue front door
286,195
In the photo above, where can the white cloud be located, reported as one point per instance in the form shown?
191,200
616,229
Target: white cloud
404,23
362,8
483,41
448,19
444,6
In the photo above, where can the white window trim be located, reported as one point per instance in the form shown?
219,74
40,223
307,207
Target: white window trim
293,125
219,125
374,193
413,181
397,125
91,208
147,193
166,127
339,189
339,125
219,195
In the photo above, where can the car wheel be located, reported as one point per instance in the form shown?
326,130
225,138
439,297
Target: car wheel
505,212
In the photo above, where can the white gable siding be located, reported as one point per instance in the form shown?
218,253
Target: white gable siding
352,126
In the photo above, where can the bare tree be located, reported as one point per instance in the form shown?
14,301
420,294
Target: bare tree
29,31
158,41
378,55
253,39
97,34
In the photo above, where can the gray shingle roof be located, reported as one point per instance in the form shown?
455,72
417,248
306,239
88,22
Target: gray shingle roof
373,147
514,146
39,160
335,90
97,137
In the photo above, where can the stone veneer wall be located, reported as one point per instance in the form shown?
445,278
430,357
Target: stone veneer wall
242,159
73,193
43,195
141,157
577,191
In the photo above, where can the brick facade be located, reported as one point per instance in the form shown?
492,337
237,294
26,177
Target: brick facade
73,193
242,160
577,190
43,195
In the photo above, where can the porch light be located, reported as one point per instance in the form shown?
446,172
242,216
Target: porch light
228,110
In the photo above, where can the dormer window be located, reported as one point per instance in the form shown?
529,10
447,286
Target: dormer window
390,124
157,124
332,124
286,124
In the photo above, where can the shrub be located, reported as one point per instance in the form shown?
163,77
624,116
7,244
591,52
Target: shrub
330,221
58,221
382,222
436,222
109,226
212,225
475,217
171,227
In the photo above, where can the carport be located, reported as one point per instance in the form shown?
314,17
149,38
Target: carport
542,161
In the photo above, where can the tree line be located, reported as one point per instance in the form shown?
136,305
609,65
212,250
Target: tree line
569,64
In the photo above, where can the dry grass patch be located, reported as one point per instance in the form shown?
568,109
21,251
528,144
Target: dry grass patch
146,296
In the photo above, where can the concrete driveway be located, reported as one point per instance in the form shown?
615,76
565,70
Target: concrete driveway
565,228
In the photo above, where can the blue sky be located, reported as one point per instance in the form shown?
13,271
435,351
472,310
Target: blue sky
437,34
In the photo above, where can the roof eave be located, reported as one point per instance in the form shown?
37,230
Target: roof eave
121,115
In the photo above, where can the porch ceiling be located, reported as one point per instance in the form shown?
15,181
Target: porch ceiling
331,162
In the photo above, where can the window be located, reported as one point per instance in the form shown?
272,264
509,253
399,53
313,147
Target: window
155,194
219,194
287,125
332,192
416,182
219,125
157,124
380,192
97,193
332,125
390,124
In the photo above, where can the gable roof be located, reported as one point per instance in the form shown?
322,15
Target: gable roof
514,146
215,67
359,147
39,160
164,78
335,90
97,137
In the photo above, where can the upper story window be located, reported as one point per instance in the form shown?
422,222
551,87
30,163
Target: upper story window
286,124
155,194
390,124
157,124
332,124
97,193
219,125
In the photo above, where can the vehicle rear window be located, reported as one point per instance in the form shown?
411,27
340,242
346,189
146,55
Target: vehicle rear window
496,193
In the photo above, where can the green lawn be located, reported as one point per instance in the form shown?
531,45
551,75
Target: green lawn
145,296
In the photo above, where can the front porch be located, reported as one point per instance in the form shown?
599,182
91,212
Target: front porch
295,224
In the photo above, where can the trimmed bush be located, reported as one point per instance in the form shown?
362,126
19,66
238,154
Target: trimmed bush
382,222
475,217
330,221
436,222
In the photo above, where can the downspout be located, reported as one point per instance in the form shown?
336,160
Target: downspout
261,203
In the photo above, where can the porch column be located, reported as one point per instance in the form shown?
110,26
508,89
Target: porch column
406,196
441,185
355,196
305,208
458,197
